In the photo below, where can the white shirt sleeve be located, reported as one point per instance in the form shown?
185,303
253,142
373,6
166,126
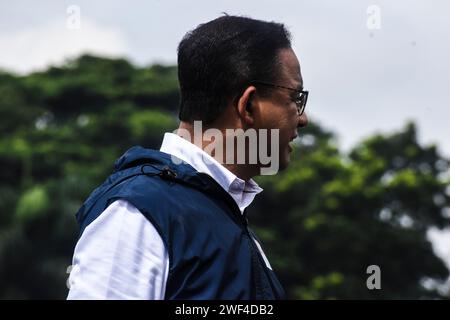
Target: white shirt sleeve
120,255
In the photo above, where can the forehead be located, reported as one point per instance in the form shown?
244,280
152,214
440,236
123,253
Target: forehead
290,68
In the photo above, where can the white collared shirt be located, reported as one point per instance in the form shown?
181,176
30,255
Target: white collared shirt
243,192
120,255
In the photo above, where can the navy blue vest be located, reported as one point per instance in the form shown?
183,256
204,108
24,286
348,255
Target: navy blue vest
211,252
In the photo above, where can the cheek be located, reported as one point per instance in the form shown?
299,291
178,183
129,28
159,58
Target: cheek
281,118
271,116
279,121
286,126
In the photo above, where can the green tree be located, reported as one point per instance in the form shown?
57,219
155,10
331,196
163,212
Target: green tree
322,221
329,216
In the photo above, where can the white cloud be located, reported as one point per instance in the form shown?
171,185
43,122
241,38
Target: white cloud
52,43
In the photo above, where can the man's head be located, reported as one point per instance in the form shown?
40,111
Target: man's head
225,68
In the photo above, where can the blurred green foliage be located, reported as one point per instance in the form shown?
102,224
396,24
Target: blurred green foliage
322,221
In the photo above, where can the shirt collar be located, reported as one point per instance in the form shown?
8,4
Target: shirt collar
243,192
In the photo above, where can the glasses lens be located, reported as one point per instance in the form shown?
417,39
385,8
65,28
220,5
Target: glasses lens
301,103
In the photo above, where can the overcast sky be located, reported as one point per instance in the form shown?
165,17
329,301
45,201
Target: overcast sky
369,65
368,69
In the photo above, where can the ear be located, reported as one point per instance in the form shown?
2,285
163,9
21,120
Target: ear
246,107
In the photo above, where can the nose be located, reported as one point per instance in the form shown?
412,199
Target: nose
302,121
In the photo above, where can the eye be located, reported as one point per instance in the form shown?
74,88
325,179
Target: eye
298,98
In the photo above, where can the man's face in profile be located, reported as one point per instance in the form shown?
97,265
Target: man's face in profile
280,110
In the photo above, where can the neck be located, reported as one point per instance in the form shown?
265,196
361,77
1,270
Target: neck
207,142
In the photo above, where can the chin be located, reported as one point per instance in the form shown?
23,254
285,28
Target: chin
285,159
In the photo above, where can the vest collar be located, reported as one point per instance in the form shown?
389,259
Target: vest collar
154,162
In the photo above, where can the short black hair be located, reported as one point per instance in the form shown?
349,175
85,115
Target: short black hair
218,59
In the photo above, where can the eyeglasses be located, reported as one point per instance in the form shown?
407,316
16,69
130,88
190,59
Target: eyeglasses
300,99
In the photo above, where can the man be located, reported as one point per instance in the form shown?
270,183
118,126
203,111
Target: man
171,224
